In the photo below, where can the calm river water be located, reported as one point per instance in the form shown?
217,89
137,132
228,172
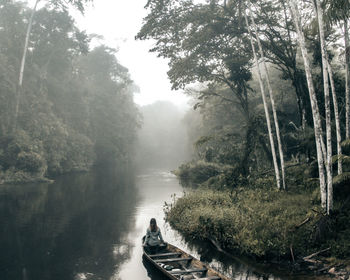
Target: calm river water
88,226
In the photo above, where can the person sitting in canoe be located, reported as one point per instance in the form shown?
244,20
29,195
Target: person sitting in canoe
153,238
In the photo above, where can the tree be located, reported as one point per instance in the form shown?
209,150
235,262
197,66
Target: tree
314,106
276,29
325,67
11,34
347,78
336,117
267,114
79,4
273,104
339,11
77,109
113,117
203,44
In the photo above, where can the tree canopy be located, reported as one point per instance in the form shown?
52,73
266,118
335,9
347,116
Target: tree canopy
77,104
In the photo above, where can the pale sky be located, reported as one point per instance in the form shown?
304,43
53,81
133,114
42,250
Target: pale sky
118,21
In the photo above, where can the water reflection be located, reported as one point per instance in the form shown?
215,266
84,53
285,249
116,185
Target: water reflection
154,187
66,230
89,226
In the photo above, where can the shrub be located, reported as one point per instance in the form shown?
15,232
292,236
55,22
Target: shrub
22,158
194,173
31,162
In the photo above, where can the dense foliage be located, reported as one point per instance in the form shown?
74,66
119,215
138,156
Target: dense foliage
76,108
208,43
210,52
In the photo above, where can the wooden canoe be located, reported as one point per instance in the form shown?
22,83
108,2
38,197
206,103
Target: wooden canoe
178,265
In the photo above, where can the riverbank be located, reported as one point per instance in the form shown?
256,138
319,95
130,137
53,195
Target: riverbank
268,225
15,176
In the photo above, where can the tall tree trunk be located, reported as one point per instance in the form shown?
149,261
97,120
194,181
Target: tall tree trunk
337,120
347,79
272,98
313,100
327,105
267,114
21,70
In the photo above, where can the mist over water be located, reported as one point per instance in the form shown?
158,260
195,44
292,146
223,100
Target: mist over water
162,140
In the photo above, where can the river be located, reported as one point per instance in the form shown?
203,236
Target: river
88,226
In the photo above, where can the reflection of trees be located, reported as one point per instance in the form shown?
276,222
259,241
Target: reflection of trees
57,231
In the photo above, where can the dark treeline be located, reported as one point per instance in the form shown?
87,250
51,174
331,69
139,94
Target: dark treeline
261,124
76,108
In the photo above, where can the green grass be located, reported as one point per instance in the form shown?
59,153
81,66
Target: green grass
259,222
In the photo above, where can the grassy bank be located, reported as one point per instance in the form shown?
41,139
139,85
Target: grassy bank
262,222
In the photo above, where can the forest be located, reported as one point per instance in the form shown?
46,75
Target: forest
269,82
66,102
268,170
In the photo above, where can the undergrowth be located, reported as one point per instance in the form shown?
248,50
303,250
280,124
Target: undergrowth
263,222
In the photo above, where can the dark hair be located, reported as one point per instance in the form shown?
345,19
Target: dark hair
153,224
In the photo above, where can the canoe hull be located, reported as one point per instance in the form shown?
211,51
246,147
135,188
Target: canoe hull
183,263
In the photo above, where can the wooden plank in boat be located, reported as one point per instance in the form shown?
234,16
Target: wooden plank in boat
172,252
172,260
164,255
188,271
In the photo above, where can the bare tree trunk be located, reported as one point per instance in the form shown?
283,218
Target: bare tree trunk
337,120
303,122
272,98
267,114
23,61
313,101
347,79
327,105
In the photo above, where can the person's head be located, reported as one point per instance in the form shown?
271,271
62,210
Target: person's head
153,224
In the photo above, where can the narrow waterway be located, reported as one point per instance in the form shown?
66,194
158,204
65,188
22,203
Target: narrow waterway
89,226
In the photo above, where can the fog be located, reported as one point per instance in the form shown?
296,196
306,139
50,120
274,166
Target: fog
162,140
